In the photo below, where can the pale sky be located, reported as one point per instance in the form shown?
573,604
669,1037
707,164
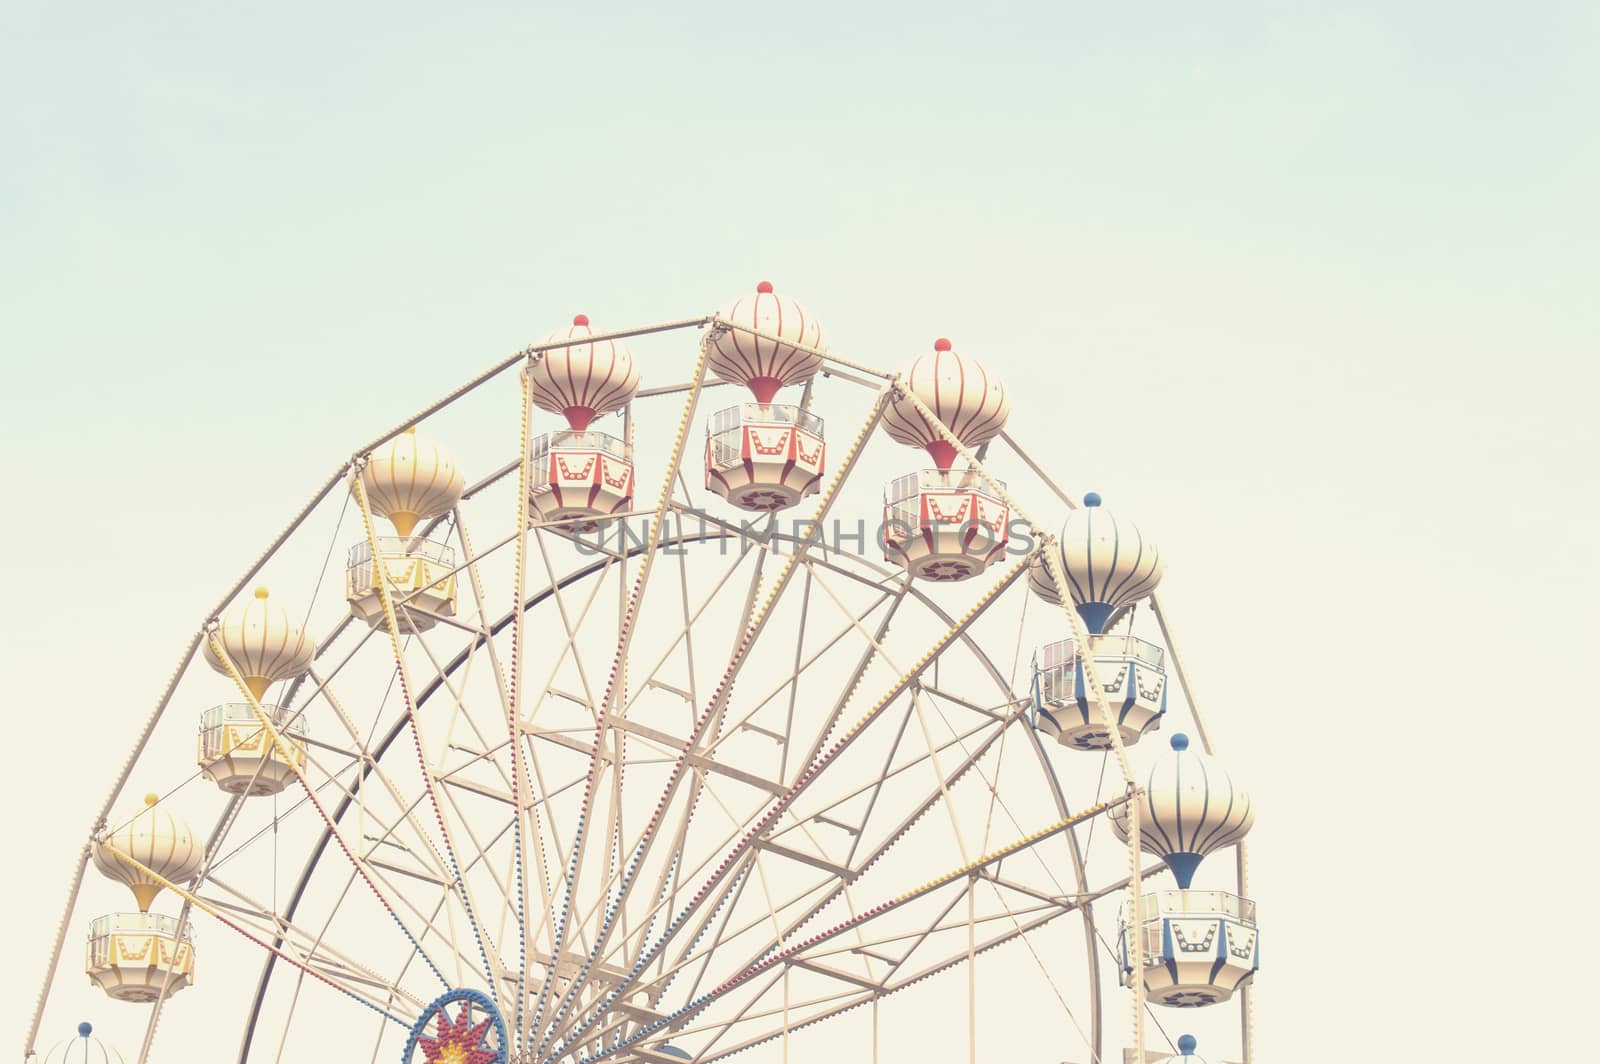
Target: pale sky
1308,288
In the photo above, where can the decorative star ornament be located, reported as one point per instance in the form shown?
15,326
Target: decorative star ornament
457,1043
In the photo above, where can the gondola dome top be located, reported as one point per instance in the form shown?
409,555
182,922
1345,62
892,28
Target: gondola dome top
1106,563
82,1049
963,396
760,364
159,840
411,478
586,379
1189,807
264,642
1186,1054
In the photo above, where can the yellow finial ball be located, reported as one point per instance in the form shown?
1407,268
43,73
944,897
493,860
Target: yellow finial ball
261,592
151,799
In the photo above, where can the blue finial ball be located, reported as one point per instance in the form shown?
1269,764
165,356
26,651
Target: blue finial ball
1186,1043
1092,499
1180,741
84,1028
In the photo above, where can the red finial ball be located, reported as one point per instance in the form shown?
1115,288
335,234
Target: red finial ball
941,344
580,319
765,288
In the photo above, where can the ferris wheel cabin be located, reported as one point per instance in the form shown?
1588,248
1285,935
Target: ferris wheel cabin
1200,946
1131,677
139,956
235,751
1107,568
257,645
409,480
579,476
579,479
943,525
764,456
420,575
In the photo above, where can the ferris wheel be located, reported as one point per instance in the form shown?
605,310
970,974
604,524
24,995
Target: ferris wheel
621,746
